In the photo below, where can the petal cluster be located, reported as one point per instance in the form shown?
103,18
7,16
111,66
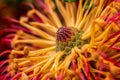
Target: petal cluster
94,55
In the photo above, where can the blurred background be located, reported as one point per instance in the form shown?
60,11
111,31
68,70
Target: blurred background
11,8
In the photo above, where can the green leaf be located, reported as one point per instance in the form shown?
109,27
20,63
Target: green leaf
88,3
27,0
70,0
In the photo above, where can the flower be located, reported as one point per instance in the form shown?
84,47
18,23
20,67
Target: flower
66,39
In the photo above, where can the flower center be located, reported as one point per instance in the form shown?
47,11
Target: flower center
67,38
64,34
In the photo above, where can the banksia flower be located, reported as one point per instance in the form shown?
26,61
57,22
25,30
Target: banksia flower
65,40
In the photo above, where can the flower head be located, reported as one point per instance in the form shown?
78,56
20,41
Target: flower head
66,39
